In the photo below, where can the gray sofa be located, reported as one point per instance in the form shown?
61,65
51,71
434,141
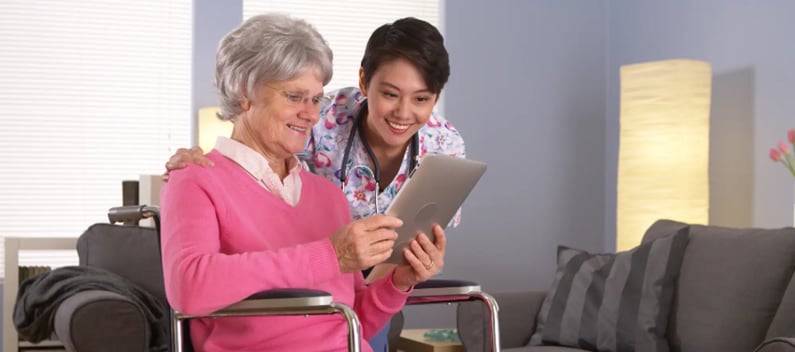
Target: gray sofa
735,292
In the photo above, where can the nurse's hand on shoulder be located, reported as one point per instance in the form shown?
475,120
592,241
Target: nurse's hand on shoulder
425,260
183,157
365,242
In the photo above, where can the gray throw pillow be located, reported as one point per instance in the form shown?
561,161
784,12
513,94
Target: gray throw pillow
612,302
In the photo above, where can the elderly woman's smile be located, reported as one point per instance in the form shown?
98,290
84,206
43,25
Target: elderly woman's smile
278,121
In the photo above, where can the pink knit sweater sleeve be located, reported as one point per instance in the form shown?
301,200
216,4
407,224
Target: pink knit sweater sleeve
377,303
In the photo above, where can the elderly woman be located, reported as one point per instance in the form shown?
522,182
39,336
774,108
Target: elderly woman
258,221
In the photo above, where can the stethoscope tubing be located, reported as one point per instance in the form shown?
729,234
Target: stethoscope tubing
358,124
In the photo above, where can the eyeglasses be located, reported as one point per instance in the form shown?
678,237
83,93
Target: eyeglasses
297,99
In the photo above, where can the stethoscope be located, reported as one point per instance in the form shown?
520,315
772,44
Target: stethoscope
358,124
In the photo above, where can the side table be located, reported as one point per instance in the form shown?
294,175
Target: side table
13,245
413,340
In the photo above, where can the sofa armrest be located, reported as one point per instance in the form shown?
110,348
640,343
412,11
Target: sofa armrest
518,311
91,321
777,344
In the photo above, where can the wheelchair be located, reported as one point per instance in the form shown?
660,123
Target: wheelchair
95,320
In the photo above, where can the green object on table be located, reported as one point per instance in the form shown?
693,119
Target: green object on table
450,335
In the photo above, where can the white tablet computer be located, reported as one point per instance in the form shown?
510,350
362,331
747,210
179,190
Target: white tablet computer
432,195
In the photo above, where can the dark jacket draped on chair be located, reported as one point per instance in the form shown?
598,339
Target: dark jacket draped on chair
40,296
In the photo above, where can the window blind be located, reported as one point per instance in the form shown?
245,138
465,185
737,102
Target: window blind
92,92
347,25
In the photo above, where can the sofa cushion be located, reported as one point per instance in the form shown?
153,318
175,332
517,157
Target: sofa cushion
783,323
731,284
517,318
612,302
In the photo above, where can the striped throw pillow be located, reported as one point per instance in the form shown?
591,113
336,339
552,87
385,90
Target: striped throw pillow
612,302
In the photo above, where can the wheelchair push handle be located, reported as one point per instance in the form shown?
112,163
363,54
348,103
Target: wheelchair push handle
131,213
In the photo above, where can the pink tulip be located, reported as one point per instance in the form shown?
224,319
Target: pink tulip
783,147
791,136
775,155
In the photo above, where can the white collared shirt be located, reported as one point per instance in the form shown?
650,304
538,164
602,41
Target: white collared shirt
257,166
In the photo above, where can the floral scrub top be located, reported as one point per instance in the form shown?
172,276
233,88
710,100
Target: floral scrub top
330,135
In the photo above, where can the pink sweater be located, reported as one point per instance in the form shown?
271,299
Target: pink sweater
225,237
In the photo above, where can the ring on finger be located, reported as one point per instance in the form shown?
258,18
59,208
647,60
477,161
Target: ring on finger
429,266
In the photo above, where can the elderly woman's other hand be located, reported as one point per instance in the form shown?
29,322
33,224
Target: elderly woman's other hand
425,260
365,242
183,157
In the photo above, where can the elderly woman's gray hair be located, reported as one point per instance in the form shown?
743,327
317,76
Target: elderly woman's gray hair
271,47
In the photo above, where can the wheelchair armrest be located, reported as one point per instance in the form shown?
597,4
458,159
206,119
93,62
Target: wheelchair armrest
288,293
281,298
286,301
442,290
273,302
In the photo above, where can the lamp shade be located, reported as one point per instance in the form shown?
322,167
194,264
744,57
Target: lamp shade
210,127
663,157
